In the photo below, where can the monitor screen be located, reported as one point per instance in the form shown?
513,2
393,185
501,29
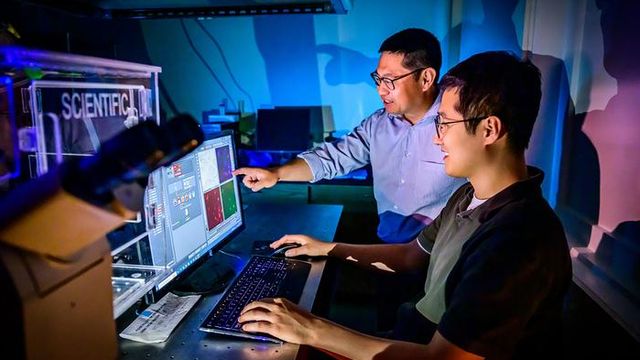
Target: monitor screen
199,205
283,129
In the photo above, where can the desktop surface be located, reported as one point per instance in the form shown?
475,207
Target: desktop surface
263,222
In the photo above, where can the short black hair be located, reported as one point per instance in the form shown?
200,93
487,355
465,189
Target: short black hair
501,84
421,49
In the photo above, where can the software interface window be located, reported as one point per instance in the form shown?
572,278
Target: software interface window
202,205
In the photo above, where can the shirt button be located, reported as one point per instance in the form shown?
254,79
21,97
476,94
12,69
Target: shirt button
401,181
395,207
407,154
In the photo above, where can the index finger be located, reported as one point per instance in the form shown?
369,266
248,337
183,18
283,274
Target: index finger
266,304
287,239
241,171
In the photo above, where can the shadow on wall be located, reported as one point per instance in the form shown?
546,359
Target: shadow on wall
285,67
600,186
497,31
340,68
290,58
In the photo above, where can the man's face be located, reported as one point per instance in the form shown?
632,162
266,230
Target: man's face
407,95
461,149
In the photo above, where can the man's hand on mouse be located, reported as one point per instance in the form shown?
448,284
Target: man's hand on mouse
308,246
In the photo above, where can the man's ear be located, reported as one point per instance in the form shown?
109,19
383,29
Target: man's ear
427,78
492,129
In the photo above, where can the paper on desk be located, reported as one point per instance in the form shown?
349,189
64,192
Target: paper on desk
155,324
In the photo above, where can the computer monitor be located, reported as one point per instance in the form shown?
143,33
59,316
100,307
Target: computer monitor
316,115
197,201
288,128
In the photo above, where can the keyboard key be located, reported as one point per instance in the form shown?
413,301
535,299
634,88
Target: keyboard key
262,277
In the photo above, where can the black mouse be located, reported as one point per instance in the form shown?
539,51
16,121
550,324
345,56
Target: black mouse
282,249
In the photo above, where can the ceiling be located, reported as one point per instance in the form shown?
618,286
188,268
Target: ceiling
152,9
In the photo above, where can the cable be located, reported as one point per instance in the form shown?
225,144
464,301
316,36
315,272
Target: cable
229,254
226,64
167,98
204,62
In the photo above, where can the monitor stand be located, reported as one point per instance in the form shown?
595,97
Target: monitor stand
211,277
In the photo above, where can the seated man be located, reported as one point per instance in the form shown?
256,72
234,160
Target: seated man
499,264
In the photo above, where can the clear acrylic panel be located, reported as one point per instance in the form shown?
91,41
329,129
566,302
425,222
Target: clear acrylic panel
75,118
9,152
55,106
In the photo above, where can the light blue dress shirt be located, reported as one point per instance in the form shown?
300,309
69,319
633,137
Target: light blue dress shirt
409,182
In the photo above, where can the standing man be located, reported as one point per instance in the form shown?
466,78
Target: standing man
500,264
409,182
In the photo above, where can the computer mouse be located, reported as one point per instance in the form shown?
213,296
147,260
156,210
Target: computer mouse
282,249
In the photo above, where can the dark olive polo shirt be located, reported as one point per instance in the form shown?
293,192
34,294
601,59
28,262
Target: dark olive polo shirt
506,280
455,227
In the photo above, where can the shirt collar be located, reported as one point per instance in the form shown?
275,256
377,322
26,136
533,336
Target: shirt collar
519,190
433,110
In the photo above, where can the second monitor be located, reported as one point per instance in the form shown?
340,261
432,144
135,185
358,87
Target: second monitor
289,128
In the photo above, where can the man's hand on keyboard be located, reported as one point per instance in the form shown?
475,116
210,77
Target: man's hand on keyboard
308,246
279,318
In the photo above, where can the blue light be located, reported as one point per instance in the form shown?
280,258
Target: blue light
19,57
7,81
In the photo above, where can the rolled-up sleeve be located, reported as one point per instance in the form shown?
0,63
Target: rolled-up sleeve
341,156
427,237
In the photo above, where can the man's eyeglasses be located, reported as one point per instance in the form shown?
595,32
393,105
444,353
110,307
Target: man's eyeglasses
389,83
443,126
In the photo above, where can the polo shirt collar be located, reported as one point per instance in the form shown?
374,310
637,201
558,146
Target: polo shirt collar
519,190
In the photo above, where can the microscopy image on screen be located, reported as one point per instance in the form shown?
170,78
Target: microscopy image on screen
213,206
208,165
224,163
228,199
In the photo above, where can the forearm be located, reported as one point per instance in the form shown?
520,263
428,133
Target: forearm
295,170
331,159
392,258
351,344
345,342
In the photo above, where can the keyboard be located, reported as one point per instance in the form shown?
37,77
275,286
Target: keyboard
262,277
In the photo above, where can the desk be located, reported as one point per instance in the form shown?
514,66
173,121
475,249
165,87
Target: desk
263,222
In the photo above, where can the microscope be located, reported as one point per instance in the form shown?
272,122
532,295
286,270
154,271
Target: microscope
55,262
